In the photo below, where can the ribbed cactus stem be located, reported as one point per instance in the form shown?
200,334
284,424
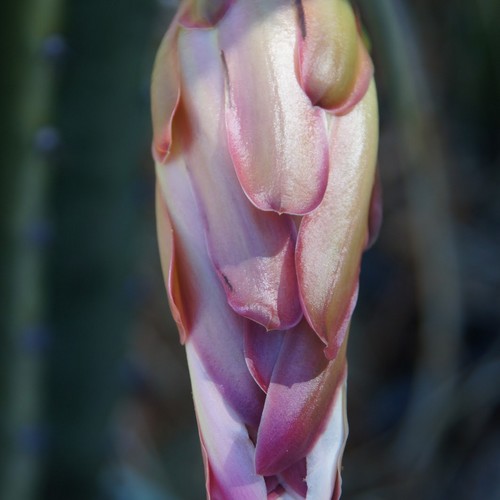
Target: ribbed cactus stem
104,126
26,180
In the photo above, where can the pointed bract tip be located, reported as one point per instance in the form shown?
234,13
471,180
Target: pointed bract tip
204,13
333,66
165,93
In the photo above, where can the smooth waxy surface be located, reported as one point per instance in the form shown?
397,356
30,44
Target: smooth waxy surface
265,139
298,400
165,93
333,66
277,139
252,251
211,326
331,239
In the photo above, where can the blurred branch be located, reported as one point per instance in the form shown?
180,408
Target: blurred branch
430,224
28,138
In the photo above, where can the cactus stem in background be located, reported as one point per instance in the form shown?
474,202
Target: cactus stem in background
24,244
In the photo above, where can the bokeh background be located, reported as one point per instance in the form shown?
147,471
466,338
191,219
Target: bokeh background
94,394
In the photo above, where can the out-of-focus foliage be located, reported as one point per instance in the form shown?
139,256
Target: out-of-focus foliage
94,396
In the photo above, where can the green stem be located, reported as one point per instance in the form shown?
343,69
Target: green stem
104,120
25,180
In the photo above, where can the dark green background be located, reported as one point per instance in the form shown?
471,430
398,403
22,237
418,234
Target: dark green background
94,396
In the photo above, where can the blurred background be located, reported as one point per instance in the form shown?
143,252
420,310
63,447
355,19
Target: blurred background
94,394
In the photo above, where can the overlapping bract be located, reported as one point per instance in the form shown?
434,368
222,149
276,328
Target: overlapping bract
265,139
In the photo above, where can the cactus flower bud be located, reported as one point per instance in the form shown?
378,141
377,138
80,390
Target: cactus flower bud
265,140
